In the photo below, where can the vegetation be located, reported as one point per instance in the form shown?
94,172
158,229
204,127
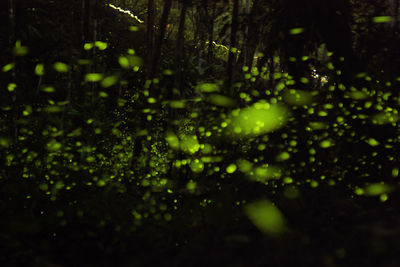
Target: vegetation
199,133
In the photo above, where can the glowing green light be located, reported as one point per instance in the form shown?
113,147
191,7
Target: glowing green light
133,28
88,46
266,217
61,67
20,50
377,189
220,100
264,173
296,31
151,100
5,142
197,166
244,165
53,146
395,172
8,67
297,97
189,144
258,119
101,45
231,168
322,113
93,77
109,81
103,94
382,19
207,87
326,144
123,62
39,69
191,185
284,156
11,87
372,142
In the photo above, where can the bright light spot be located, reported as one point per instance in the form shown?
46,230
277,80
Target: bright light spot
257,119
231,168
266,217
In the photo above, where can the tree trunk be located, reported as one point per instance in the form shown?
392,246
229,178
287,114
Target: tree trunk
11,40
394,6
202,13
179,54
211,32
160,38
232,55
245,53
149,35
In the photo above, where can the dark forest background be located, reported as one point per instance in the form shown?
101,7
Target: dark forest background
199,133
